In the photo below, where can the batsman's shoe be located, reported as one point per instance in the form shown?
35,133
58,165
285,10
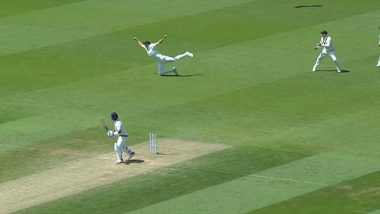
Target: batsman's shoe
131,155
119,161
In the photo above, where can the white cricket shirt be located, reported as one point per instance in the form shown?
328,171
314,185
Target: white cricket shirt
120,128
327,45
152,51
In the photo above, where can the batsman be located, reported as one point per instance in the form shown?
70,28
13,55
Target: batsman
122,135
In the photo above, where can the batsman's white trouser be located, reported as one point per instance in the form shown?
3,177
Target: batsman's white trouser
163,59
120,147
378,62
322,55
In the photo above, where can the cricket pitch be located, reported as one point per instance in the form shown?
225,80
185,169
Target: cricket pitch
81,175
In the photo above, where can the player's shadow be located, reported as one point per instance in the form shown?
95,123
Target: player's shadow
183,75
134,161
161,153
303,6
333,70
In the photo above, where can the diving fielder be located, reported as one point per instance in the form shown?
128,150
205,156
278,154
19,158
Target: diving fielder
161,59
328,49
122,136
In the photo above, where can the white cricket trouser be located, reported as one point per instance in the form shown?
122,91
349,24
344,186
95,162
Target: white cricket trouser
163,59
322,55
120,147
378,62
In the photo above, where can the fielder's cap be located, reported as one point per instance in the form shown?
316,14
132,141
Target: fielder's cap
324,32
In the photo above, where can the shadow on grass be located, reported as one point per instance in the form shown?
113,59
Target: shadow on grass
333,70
188,75
302,6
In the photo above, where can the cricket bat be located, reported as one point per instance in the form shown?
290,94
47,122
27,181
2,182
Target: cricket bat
104,123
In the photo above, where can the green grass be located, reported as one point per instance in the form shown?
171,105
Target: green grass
250,85
360,195
185,179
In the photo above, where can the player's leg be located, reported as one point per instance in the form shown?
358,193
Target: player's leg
174,59
126,149
333,57
118,152
189,54
163,71
318,61
378,62
166,59
129,152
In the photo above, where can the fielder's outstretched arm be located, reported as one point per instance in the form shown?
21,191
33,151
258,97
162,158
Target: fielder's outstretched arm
140,43
162,39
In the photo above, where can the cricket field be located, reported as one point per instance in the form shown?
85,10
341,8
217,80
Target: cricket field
246,126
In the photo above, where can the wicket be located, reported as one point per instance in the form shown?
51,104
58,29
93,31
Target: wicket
152,143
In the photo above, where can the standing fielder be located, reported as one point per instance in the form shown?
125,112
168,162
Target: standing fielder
122,136
161,59
328,49
378,62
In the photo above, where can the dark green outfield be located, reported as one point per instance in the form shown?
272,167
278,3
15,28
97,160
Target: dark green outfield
302,142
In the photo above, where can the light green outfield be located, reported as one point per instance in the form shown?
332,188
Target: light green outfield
302,142
270,186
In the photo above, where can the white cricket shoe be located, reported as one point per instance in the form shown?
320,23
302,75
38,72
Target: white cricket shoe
314,70
190,54
119,161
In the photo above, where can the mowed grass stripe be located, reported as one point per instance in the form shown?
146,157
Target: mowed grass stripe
359,195
239,53
112,52
95,56
9,8
259,68
85,100
90,18
315,122
263,188
183,179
